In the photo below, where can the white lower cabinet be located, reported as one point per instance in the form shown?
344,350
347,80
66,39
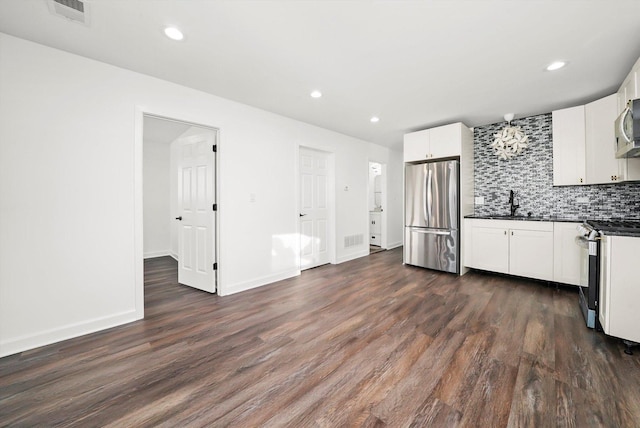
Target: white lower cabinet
570,262
531,253
489,249
619,290
523,248
375,229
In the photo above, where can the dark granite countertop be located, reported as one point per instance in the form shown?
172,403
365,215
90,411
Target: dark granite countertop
617,233
526,218
553,219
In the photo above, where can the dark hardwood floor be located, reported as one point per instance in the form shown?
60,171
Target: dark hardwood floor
366,343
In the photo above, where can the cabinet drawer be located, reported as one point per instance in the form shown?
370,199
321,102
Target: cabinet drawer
375,240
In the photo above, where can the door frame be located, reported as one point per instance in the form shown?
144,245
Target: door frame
383,202
331,196
138,223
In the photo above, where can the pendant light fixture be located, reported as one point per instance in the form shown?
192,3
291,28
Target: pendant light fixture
509,142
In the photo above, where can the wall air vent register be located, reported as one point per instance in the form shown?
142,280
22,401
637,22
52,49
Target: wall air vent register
72,10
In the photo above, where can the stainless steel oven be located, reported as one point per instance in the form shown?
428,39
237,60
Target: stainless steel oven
589,241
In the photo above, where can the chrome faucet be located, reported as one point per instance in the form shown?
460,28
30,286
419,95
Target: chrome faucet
512,202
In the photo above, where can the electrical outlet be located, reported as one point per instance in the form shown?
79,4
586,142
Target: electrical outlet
252,197
479,200
582,200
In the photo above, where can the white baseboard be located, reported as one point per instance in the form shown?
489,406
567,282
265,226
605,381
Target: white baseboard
353,256
13,346
255,283
154,254
394,245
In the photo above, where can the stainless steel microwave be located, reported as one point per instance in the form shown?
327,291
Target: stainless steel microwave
628,131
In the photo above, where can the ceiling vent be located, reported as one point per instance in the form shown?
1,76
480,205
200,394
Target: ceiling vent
73,10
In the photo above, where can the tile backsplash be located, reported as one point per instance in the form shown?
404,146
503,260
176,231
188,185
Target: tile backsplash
530,174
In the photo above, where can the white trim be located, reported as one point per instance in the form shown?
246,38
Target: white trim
138,226
353,256
394,245
259,282
70,331
384,228
138,214
154,254
174,256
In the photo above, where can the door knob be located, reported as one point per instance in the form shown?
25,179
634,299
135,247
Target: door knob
179,218
302,215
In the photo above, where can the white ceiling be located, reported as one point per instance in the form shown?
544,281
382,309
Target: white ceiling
415,64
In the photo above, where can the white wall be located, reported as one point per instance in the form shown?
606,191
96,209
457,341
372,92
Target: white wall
395,199
70,190
156,196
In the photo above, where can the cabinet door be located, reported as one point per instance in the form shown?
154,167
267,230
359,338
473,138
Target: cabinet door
489,249
602,165
374,223
416,146
531,254
445,141
570,261
628,90
622,293
605,284
569,146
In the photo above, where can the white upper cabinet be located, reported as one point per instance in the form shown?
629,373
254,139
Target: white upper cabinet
602,165
441,142
584,140
446,140
416,146
629,89
584,145
569,166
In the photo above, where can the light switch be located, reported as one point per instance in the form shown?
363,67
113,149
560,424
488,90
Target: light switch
479,200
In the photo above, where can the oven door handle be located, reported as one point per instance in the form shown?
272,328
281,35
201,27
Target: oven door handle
582,242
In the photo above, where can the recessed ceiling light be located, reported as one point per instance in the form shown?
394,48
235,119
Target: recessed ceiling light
316,94
375,119
173,33
556,65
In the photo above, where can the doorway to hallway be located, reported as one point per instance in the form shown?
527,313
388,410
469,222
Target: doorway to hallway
179,198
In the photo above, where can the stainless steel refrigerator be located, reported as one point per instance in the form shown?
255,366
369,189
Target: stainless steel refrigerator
432,215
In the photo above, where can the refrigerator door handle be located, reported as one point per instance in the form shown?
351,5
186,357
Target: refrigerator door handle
429,196
431,232
424,199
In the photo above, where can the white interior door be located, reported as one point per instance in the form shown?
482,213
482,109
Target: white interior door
196,196
314,208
